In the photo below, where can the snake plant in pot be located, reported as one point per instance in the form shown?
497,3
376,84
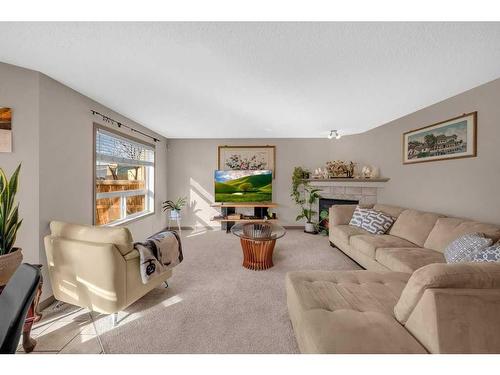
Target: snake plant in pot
10,256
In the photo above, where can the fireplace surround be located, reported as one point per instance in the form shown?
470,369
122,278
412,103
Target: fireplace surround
347,191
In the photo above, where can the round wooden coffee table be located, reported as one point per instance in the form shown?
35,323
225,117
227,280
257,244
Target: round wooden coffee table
257,241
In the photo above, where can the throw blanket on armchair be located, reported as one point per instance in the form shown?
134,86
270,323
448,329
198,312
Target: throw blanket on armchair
159,253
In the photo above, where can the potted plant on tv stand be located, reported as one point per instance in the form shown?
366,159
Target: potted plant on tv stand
10,256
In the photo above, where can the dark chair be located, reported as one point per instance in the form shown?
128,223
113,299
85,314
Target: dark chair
15,301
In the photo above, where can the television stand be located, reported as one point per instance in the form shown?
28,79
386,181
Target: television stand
260,210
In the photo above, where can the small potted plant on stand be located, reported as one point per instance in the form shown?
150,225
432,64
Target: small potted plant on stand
10,256
174,210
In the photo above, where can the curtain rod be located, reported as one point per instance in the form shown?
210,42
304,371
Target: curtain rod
109,120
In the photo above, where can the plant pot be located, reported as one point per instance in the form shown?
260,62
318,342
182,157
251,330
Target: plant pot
9,264
174,214
309,228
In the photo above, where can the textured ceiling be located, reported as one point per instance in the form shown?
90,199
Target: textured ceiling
253,80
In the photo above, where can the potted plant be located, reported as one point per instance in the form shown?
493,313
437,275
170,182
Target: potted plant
311,197
10,256
174,207
305,196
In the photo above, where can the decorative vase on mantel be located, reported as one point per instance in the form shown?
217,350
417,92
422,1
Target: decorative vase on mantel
8,265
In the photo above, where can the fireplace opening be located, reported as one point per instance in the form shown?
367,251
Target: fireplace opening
324,206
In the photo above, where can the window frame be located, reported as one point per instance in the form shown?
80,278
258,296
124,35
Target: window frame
133,217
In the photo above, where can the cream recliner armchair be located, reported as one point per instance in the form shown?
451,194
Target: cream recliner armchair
95,267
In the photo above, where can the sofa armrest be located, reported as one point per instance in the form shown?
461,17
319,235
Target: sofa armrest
86,274
438,275
341,214
457,320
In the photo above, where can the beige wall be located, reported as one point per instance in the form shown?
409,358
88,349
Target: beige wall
53,138
461,187
19,90
66,160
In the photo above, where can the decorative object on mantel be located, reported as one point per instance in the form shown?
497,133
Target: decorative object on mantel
339,168
320,173
450,139
247,158
366,171
5,129
370,172
10,256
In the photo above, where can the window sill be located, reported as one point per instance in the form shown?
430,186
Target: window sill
128,220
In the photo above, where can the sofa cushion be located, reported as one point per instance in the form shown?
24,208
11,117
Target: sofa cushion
342,233
407,259
393,211
118,236
358,216
347,312
449,228
414,226
377,222
453,275
490,254
369,243
463,248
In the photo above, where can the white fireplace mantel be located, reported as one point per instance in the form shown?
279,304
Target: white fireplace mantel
363,190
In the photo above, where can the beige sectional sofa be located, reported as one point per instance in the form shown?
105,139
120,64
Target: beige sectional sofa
415,239
408,300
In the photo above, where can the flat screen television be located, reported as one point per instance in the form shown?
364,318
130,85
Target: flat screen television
243,186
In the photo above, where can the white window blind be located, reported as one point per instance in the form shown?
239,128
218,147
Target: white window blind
112,148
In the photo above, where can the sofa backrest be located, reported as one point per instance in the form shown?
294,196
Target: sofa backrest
448,229
120,237
414,226
388,209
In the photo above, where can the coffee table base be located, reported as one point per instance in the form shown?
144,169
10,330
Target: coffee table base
257,255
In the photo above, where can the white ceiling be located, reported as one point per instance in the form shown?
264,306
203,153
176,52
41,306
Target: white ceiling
259,80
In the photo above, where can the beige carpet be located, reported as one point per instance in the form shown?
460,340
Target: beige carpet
214,305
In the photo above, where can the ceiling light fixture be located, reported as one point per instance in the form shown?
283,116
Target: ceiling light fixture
334,134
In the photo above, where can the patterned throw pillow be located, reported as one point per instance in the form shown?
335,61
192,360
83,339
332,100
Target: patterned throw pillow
463,248
377,222
489,254
358,216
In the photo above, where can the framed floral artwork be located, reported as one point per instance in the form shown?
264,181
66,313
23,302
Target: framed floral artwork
247,158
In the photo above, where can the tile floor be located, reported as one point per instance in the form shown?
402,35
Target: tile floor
66,330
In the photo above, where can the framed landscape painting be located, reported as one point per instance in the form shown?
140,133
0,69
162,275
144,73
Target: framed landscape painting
450,139
247,158
5,129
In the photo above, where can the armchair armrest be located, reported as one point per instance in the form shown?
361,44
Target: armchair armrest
86,273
